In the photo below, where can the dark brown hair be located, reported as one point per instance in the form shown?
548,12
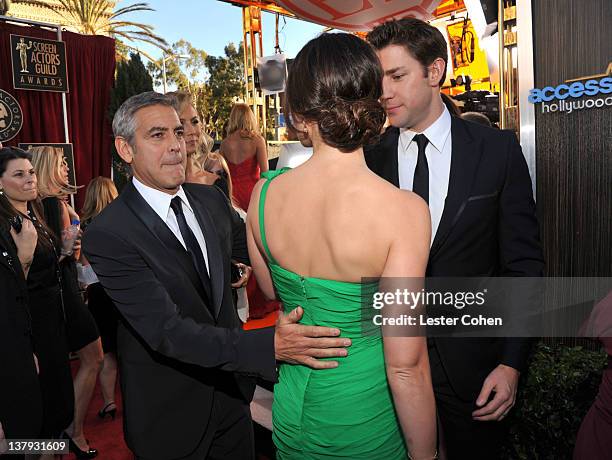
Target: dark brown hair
7,211
336,81
423,42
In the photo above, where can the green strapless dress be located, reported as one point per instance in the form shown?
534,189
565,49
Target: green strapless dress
346,412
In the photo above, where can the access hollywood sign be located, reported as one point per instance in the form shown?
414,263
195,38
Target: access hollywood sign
573,89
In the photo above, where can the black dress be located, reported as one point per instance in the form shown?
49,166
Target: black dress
20,398
50,343
80,325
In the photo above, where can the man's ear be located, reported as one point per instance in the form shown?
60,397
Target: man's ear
124,149
435,71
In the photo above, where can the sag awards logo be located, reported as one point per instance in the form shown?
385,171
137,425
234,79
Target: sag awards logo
11,116
576,88
38,64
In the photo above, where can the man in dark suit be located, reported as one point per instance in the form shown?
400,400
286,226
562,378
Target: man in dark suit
162,252
477,184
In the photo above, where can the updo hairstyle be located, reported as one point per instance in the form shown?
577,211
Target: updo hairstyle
336,81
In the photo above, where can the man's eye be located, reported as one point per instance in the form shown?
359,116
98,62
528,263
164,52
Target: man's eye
397,77
179,133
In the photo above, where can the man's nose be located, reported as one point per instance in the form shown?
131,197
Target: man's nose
175,143
387,91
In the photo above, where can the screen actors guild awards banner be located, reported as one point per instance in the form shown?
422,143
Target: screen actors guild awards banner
39,64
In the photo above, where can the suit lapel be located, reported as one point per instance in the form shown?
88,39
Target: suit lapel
465,157
158,227
213,249
382,157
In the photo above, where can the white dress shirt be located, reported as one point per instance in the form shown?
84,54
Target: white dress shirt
438,153
160,202
293,155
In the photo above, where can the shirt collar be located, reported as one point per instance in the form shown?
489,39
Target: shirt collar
158,200
436,133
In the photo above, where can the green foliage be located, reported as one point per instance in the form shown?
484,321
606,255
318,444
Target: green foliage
185,75
558,390
215,82
225,85
131,78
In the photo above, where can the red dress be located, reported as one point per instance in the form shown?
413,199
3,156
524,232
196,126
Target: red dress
244,177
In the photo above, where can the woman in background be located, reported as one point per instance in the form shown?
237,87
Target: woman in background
83,337
100,193
197,143
245,151
594,440
19,191
20,398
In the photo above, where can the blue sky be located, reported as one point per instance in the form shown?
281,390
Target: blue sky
211,24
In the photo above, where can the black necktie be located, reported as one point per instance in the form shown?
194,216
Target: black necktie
420,183
193,247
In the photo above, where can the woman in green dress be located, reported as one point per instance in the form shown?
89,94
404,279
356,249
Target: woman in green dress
314,233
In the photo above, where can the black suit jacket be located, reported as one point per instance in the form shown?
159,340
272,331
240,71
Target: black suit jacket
488,228
178,343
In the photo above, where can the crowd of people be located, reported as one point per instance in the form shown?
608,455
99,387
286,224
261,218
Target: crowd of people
379,192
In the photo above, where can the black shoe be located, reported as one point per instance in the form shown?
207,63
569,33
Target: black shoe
106,411
90,453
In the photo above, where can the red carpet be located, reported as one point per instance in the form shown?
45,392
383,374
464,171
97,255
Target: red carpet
105,435
267,321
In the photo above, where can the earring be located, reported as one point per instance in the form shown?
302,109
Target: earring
1,191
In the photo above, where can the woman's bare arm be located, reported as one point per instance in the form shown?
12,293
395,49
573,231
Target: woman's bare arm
405,349
258,261
262,154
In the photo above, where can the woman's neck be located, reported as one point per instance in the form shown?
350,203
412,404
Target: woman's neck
191,166
21,206
334,158
193,173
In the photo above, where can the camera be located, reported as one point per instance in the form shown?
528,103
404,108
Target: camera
16,222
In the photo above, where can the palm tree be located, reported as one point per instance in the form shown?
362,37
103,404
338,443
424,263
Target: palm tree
91,18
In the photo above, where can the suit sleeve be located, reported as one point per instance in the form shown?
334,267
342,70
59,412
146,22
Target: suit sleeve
519,243
146,305
240,252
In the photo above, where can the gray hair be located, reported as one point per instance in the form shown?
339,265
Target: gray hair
124,122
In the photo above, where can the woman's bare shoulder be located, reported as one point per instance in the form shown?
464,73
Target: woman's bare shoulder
400,208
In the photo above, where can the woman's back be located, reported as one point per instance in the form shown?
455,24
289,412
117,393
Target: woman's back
319,246
331,220
237,148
